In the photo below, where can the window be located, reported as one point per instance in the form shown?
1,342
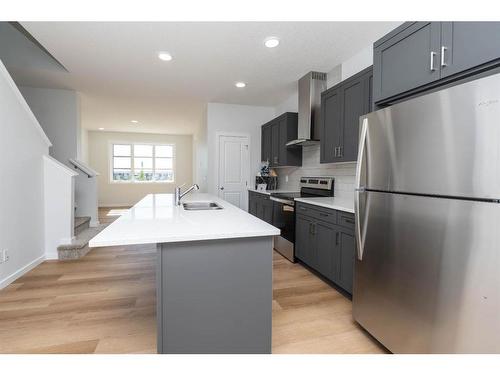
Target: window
142,163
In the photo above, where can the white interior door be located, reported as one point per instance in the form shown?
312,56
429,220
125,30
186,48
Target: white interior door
234,167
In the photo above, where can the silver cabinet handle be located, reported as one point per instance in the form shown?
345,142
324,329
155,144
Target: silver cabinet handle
433,54
443,51
340,151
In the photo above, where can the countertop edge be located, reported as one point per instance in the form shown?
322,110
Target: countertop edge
325,205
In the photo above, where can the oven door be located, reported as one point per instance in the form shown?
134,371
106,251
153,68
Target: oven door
284,219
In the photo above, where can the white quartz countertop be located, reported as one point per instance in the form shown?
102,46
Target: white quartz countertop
156,219
341,204
276,191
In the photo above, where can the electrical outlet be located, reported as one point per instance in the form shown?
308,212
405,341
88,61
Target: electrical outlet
6,256
286,178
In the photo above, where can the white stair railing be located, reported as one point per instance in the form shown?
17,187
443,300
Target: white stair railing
86,191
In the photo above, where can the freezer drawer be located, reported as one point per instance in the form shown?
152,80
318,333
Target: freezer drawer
429,278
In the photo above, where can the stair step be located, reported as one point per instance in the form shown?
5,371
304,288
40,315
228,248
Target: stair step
80,245
81,223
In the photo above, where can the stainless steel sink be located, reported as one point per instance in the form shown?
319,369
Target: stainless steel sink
191,206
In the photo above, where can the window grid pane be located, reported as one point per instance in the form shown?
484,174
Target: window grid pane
150,163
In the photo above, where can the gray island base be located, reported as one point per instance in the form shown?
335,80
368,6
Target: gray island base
215,296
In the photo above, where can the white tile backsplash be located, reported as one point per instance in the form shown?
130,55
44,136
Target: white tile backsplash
344,173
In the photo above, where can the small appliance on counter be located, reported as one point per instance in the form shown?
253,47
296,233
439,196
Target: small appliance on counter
267,177
284,211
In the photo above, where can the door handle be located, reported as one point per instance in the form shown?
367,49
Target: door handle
443,51
358,188
433,54
222,187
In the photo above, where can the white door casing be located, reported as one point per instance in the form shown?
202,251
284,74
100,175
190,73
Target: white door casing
234,168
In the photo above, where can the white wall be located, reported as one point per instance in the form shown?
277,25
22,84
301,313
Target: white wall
232,118
22,146
84,146
127,194
58,112
200,155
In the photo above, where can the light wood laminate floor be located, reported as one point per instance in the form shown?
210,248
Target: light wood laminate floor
105,303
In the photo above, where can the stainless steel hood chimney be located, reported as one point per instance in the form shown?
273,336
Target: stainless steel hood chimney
310,88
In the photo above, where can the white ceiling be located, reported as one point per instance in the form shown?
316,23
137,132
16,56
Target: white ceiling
115,66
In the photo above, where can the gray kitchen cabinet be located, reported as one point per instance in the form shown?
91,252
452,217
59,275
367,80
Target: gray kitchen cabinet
417,57
406,60
326,244
331,125
341,107
346,246
275,135
261,206
275,143
266,143
465,45
327,250
304,249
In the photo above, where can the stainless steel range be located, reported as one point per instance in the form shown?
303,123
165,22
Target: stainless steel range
284,211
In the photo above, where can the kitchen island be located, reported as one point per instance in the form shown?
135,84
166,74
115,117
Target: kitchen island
214,273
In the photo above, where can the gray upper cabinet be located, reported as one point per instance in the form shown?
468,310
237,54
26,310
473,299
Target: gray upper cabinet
466,45
406,60
275,135
331,125
266,143
341,107
419,56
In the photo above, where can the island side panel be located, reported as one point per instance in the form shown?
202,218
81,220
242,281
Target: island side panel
215,296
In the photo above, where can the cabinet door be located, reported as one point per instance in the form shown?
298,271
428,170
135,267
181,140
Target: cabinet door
252,209
353,106
275,143
283,139
304,246
266,143
327,250
407,60
347,250
331,124
466,45
267,210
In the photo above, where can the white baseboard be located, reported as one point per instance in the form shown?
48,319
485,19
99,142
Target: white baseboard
16,275
52,256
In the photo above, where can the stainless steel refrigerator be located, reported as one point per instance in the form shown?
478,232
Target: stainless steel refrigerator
427,274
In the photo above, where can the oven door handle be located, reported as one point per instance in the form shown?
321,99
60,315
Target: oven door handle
284,201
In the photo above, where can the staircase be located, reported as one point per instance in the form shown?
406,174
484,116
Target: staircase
80,245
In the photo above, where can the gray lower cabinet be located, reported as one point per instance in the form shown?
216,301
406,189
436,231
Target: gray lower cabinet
418,56
324,240
261,206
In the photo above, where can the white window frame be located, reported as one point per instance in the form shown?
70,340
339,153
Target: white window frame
132,168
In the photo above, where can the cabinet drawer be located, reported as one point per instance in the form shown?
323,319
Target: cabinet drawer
345,219
330,216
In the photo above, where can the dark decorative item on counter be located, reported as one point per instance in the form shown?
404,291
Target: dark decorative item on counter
264,168
271,182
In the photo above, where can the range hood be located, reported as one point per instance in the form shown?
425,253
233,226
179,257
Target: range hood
310,88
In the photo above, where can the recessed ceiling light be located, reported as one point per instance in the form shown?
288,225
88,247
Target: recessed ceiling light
134,121
240,85
165,56
101,128
271,42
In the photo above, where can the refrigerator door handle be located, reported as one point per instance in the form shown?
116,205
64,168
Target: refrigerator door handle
360,189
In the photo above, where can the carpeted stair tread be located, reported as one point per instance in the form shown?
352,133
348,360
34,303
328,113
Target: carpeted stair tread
82,239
